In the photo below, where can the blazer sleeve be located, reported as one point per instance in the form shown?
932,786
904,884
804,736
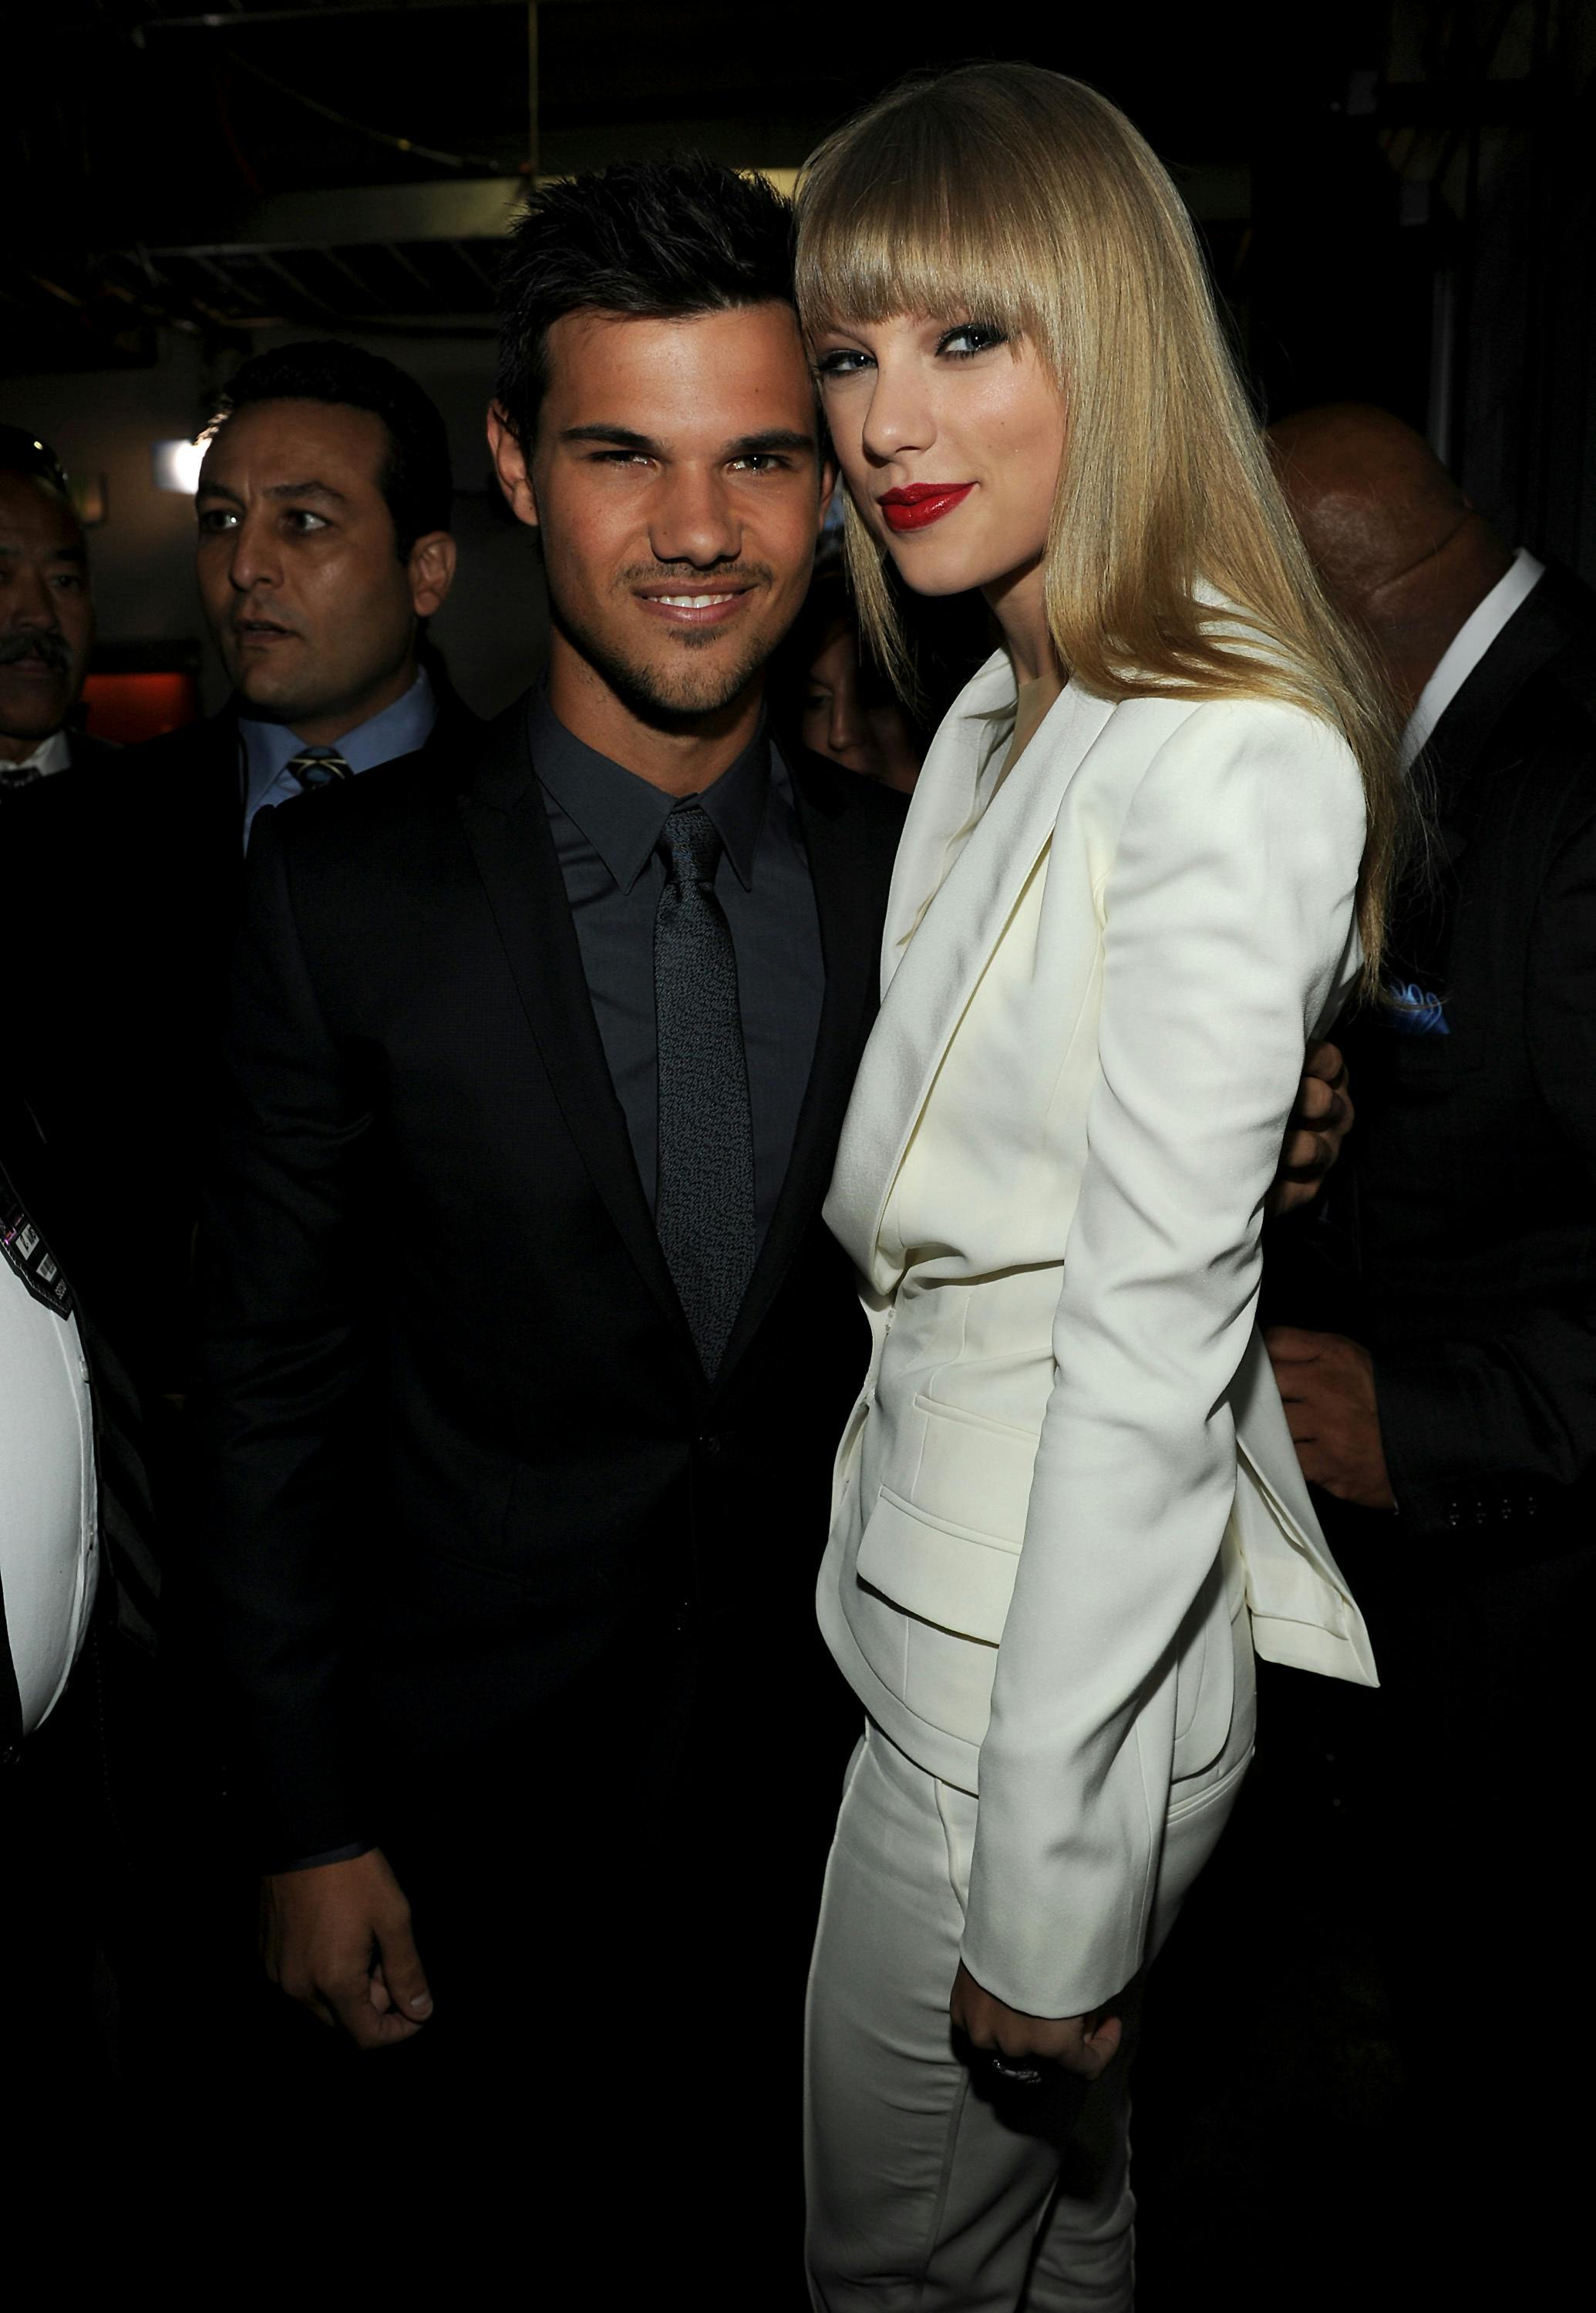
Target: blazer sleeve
283,1381
1227,916
1454,1412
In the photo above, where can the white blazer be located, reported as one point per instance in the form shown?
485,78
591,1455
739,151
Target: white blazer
1051,1179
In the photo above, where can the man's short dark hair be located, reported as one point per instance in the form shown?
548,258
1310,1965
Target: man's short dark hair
21,453
416,480
649,241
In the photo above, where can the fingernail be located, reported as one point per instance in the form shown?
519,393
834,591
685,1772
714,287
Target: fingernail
421,2005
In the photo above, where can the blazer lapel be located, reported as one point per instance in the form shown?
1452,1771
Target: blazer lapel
931,967
507,826
847,893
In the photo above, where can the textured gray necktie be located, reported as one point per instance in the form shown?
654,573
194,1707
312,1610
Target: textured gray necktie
704,1202
318,767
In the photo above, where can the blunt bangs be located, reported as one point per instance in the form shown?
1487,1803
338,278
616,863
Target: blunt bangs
928,216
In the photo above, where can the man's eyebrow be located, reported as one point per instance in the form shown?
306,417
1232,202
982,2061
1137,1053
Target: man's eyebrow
766,444
311,490
77,554
622,438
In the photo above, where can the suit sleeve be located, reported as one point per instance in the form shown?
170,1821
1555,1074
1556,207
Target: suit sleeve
1227,916
284,1381
1457,1414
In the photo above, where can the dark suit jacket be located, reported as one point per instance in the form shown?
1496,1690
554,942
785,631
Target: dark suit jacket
1463,1248
462,1447
89,754
120,889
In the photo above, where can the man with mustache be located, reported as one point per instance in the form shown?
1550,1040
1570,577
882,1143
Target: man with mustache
526,1344
47,618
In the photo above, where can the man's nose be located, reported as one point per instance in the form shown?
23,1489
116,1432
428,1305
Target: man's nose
31,605
693,520
255,560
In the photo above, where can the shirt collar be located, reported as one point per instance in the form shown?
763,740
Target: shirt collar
398,730
624,817
52,755
1467,647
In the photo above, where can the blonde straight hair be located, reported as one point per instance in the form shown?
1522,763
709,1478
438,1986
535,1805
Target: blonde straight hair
1008,195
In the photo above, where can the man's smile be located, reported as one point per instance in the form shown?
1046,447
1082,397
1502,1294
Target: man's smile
704,605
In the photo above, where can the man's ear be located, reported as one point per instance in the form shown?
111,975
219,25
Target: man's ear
431,568
828,489
509,464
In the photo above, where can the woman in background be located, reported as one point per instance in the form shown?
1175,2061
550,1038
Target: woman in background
1149,846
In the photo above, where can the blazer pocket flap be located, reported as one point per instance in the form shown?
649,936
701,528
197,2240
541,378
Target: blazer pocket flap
974,1472
940,1572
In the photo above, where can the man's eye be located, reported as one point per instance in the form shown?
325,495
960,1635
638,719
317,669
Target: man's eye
619,457
970,337
215,518
842,361
301,519
68,582
758,461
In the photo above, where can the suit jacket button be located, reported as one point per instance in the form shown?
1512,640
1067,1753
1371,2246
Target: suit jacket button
711,1444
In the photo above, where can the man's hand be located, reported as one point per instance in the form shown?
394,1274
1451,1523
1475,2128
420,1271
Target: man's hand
1079,2044
337,1937
1314,1131
1327,1386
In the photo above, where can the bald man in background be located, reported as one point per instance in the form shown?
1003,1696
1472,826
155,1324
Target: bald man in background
1440,1381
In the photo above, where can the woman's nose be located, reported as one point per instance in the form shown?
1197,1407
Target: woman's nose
899,419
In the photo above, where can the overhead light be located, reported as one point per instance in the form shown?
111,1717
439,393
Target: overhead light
176,466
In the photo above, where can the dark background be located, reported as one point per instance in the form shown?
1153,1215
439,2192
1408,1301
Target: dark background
1396,198
1398,201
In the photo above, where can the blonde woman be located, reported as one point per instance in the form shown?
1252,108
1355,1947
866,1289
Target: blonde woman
1148,854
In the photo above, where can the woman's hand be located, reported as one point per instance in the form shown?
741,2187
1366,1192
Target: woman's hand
1080,2043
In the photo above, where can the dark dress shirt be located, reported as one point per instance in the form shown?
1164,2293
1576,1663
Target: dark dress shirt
606,824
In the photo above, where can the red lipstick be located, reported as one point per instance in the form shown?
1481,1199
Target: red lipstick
922,503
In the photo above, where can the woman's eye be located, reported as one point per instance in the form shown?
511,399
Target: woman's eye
971,337
842,361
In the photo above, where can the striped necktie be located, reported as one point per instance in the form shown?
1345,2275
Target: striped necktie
318,767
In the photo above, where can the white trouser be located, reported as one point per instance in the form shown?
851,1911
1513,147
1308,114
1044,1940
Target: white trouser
927,2195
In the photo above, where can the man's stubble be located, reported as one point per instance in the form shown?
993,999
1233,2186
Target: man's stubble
682,689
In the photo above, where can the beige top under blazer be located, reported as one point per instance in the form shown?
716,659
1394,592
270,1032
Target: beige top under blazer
1097,977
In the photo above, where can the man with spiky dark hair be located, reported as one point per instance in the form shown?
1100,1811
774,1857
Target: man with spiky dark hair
527,1346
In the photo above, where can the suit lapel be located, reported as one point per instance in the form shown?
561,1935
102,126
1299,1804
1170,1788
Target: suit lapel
1543,626
507,826
848,882
931,966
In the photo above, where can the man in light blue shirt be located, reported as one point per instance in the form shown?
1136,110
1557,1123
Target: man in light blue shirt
271,751
323,548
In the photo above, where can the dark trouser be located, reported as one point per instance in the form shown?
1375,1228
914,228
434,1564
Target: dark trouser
614,1911
1475,1787
77,1944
